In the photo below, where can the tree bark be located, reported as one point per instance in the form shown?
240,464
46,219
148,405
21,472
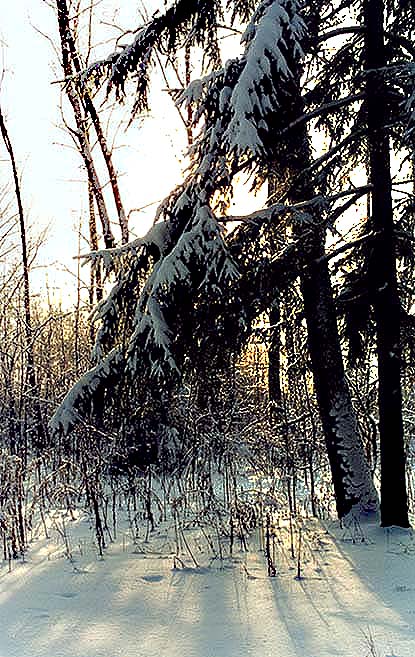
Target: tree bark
95,289
274,349
383,279
81,132
352,481
67,41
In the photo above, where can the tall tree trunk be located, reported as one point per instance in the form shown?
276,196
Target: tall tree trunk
31,385
351,475
95,289
394,503
68,43
352,481
82,132
274,357
274,349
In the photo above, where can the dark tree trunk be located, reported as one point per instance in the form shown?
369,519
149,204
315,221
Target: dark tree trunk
81,124
274,349
352,481
353,485
31,384
274,356
351,476
394,503
73,59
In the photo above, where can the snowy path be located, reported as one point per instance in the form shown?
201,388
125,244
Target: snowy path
135,605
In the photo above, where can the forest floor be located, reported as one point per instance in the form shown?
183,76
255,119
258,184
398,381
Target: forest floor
355,596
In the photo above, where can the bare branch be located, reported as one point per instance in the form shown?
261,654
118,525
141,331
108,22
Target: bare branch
279,209
331,34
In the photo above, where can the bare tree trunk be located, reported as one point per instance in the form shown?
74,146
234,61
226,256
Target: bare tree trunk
82,132
31,387
74,60
274,349
353,485
274,355
394,501
96,276
351,475
188,77
122,217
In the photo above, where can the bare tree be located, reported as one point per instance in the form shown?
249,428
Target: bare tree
84,107
82,133
31,379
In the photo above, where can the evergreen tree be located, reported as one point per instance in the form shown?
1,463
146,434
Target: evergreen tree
253,112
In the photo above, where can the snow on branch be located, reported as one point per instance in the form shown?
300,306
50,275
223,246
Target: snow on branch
188,253
156,237
209,99
200,247
238,105
276,211
78,401
190,21
273,40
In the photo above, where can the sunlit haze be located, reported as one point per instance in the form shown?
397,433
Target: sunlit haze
149,156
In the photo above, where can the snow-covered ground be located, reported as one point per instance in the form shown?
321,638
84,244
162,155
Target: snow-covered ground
357,588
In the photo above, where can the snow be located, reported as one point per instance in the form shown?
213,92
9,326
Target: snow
264,56
201,241
157,235
357,586
357,478
67,415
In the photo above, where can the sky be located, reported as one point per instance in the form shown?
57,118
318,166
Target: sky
149,156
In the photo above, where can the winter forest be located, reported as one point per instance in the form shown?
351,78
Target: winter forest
208,414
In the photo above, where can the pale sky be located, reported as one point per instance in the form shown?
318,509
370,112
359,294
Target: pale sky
53,180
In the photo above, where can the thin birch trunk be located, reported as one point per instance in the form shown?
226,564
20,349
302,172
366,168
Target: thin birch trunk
31,385
82,132
90,110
